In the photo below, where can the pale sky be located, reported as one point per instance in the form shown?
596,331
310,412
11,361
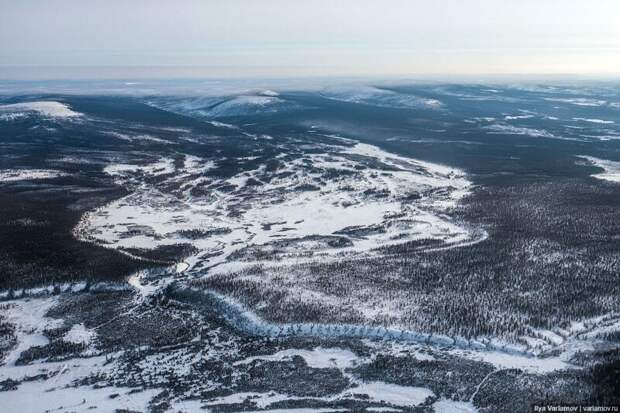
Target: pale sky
247,38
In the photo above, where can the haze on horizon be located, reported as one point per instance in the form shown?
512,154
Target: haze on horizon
72,39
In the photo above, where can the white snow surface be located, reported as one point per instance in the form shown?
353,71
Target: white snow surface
612,168
248,104
45,108
505,360
28,317
79,334
137,137
601,121
506,129
393,393
305,201
58,393
450,406
13,175
297,410
579,101
374,96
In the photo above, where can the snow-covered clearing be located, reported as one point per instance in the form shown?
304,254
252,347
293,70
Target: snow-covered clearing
318,358
28,317
450,406
58,391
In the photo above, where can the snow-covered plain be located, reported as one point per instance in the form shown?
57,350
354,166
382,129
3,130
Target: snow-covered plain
28,316
59,392
53,386
325,202
362,195
450,406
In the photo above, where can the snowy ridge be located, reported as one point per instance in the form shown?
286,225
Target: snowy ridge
589,102
600,121
373,96
261,102
516,130
50,109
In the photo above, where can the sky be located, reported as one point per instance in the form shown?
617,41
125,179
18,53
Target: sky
95,39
